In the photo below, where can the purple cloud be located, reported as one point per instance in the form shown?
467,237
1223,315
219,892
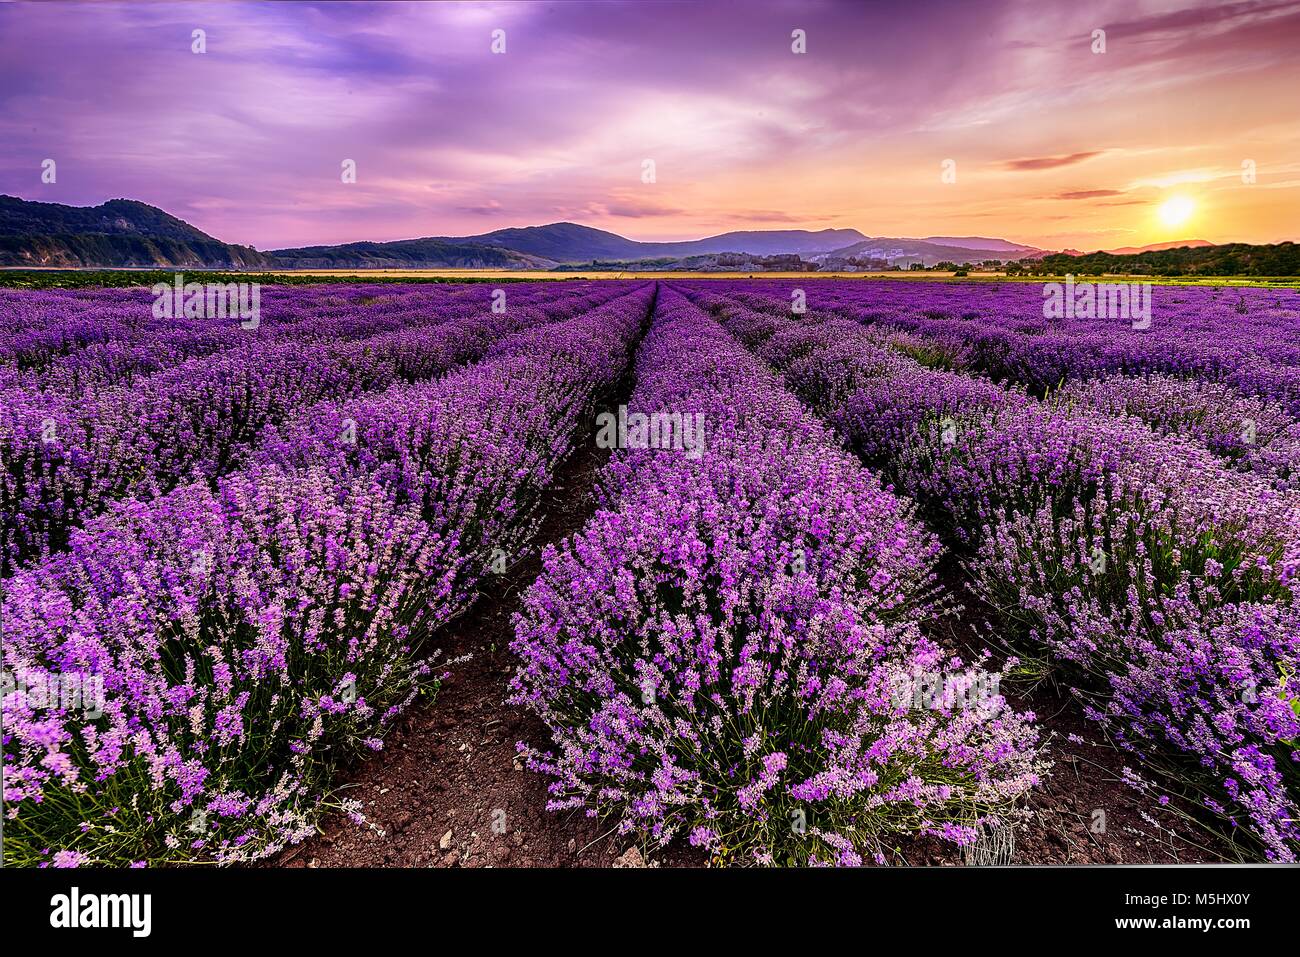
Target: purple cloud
246,140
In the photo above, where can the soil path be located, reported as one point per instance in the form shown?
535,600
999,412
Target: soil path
447,789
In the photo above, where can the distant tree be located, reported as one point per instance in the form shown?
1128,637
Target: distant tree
1230,259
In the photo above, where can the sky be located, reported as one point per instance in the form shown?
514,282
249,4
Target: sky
1007,118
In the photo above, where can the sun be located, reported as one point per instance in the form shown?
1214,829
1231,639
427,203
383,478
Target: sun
1176,210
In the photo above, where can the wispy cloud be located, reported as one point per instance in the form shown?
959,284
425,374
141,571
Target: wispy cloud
1051,162
1089,194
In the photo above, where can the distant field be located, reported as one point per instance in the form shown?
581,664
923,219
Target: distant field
47,278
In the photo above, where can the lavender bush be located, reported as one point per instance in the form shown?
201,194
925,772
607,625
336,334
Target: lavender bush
1254,433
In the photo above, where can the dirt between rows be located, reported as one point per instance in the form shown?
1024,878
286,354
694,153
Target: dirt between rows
1084,812
448,789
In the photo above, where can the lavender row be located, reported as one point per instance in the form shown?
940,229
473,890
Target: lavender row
39,328
1162,583
1253,433
245,639
130,345
67,459
513,398
1247,338
727,653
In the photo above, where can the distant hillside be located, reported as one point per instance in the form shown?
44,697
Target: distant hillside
558,242
1156,247
544,247
764,242
120,232
982,243
123,232
408,254
1229,259
904,252
710,262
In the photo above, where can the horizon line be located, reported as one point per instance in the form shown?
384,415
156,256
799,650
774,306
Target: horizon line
932,238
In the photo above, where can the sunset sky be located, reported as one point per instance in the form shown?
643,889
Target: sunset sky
1053,144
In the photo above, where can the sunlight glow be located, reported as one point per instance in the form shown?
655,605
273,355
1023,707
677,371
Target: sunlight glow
1176,211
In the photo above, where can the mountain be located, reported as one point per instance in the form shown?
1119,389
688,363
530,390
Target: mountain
545,247
572,243
558,242
1158,247
763,242
120,232
569,242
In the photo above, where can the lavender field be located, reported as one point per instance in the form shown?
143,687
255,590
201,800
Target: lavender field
858,556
